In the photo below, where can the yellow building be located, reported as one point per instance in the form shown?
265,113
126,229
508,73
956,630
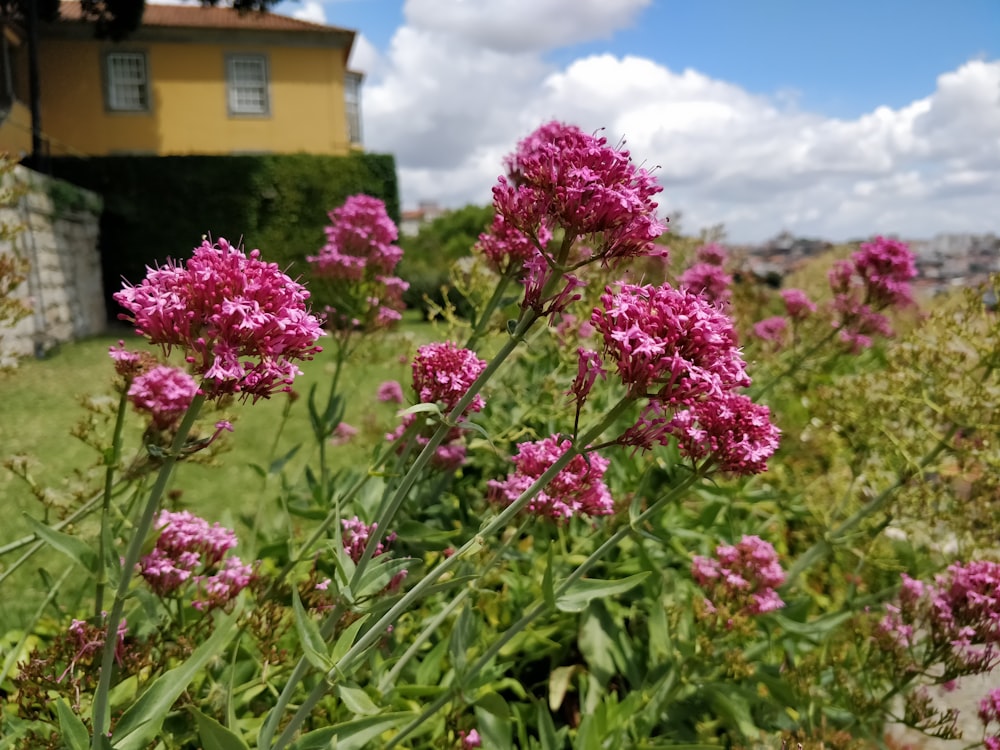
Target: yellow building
190,80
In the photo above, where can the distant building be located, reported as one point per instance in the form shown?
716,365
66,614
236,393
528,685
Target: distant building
411,221
189,80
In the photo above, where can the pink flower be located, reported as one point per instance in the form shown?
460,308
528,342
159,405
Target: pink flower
561,176
708,280
506,246
343,433
771,330
589,368
443,372
165,393
731,429
127,364
356,534
242,323
743,576
713,254
578,488
390,392
189,550
360,235
669,343
470,740
797,303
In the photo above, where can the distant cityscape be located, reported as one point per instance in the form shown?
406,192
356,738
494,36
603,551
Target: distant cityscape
943,262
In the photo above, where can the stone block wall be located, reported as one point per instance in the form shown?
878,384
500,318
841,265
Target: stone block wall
58,235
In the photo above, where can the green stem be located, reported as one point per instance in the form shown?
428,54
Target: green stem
375,631
542,607
758,393
487,313
101,711
823,547
111,464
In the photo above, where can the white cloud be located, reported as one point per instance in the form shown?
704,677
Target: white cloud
364,56
456,91
312,11
523,25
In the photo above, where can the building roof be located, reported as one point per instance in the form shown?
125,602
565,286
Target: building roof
209,17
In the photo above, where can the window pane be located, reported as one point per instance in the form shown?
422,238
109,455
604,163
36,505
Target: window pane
127,86
248,85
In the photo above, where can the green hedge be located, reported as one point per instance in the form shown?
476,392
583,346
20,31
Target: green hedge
158,207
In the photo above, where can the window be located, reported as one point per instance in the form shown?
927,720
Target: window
128,82
247,78
352,105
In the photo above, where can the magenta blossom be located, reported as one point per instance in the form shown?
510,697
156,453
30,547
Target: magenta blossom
505,246
772,330
390,392
242,323
443,372
731,429
343,433
561,176
164,393
797,303
470,740
578,488
708,280
670,344
713,254
360,235
190,551
742,577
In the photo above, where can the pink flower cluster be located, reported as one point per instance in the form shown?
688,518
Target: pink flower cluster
671,344
390,392
771,330
708,276
355,539
876,277
958,615
189,550
561,176
797,304
578,488
242,323
505,246
742,577
360,252
442,374
989,713
470,740
678,350
731,429
89,641
164,393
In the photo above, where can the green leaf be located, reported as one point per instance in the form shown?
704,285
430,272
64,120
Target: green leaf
279,463
493,722
462,634
582,592
71,727
733,709
74,548
214,736
548,587
141,722
313,645
419,409
379,572
352,735
356,700
346,640
559,679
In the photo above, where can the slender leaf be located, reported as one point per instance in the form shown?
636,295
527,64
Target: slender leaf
352,735
214,736
582,592
74,548
357,700
346,639
313,645
141,722
71,727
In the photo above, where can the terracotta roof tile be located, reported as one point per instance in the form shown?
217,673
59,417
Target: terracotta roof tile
207,17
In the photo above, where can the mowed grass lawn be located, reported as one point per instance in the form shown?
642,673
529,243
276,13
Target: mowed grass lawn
40,403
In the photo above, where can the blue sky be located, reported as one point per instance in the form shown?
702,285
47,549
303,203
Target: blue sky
852,117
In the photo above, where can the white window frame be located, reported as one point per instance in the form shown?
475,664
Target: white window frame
127,81
352,105
248,95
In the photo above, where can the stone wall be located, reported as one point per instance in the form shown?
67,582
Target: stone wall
58,234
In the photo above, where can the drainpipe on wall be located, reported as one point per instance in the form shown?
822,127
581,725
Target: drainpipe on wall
37,154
